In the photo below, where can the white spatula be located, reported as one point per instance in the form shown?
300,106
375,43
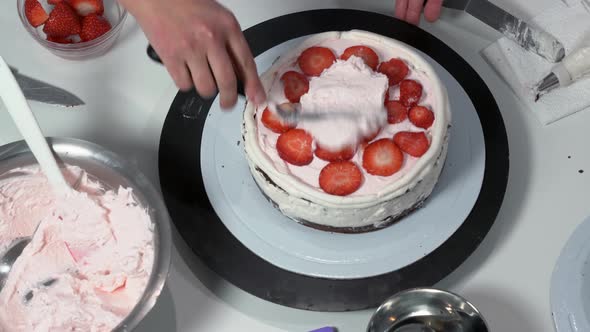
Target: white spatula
23,117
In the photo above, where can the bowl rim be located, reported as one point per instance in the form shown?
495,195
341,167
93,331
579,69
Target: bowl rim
159,215
80,46
436,290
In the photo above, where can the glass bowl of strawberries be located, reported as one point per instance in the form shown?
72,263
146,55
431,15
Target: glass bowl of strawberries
73,29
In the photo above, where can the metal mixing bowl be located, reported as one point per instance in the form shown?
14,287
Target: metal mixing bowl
112,171
426,310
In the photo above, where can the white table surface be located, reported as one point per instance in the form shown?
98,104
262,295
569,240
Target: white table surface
508,277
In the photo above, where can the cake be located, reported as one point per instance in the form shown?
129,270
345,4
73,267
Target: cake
371,164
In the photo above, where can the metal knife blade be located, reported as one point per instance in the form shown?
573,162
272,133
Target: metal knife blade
528,37
44,92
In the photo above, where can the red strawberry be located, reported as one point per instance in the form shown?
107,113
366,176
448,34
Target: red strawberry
296,85
35,13
87,7
395,69
421,116
94,26
345,153
396,112
60,40
294,147
315,59
410,92
382,158
366,53
413,143
340,178
274,122
63,21
54,2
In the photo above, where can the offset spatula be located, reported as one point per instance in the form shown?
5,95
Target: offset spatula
528,37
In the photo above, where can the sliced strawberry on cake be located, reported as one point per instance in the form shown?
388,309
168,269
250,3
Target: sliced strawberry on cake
35,13
274,122
410,92
413,143
315,59
87,7
63,21
382,158
295,85
340,178
364,52
342,154
395,70
396,112
421,117
295,147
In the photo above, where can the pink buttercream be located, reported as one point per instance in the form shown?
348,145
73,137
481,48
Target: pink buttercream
310,174
96,244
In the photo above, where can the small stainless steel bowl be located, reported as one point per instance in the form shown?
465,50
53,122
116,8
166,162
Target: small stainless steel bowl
112,171
426,310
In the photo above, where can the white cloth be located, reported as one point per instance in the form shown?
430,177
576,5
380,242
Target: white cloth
569,22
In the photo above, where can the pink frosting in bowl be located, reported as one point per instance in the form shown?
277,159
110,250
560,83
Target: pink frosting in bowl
99,258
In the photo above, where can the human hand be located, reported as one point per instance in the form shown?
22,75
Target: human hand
201,44
411,10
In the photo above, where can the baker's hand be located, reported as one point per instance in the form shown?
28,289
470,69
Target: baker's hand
411,10
201,44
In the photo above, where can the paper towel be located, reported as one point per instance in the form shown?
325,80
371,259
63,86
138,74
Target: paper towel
569,22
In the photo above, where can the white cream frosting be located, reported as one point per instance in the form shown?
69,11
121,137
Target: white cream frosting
351,87
299,196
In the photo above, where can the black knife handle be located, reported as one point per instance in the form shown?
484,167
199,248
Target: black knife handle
154,56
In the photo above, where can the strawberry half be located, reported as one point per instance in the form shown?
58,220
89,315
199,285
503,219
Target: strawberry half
294,147
54,2
340,178
35,13
314,60
62,22
273,122
395,70
94,26
60,40
382,158
410,92
421,116
413,143
295,85
343,154
87,7
366,53
396,112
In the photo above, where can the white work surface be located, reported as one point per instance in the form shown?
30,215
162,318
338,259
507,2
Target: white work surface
508,277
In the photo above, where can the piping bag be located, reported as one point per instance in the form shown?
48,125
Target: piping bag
572,68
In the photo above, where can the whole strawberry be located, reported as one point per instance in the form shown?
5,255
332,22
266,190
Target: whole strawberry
62,22
94,26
